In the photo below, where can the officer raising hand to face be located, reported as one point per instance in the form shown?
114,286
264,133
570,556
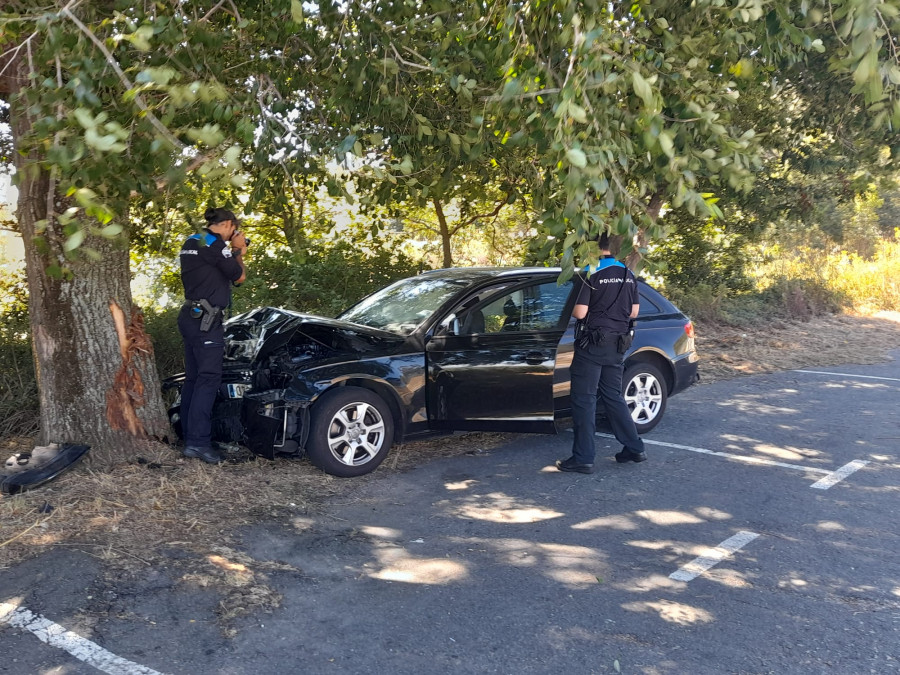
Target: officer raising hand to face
211,262
607,304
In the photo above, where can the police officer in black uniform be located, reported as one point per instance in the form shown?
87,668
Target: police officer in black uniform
208,270
607,305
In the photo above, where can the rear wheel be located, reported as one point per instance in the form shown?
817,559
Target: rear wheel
645,393
350,433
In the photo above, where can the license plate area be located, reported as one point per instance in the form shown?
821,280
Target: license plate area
237,390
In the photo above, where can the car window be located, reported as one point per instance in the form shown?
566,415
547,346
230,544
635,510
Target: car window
532,308
404,305
648,306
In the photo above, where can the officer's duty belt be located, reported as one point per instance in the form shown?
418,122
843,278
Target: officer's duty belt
207,313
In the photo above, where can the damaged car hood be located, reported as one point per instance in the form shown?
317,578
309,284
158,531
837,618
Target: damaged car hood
257,334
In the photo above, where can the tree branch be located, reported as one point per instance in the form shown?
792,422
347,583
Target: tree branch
890,38
211,12
110,59
479,216
408,64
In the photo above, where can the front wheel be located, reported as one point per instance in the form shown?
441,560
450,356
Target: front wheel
645,393
350,433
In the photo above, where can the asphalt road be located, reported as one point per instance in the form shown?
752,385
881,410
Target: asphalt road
761,537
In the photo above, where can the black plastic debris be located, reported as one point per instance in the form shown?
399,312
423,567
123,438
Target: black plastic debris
68,455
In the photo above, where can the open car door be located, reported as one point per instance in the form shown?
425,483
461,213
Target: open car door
490,365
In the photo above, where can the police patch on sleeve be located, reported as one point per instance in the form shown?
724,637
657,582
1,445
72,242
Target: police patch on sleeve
226,252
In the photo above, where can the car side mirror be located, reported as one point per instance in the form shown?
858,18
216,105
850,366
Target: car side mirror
449,326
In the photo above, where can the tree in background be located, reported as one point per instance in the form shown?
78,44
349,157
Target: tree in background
636,106
413,81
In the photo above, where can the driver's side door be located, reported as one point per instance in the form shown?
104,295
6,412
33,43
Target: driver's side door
491,367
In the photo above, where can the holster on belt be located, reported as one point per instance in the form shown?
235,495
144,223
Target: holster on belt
207,313
591,336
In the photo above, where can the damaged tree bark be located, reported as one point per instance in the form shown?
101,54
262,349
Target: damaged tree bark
97,380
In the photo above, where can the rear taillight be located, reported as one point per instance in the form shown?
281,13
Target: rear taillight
689,329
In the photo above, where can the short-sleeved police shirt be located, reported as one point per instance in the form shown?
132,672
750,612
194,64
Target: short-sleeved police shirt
208,269
608,309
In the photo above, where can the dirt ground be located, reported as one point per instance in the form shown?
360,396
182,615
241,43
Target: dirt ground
127,518
727,352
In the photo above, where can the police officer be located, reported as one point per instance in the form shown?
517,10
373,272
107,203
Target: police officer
607,305
208,270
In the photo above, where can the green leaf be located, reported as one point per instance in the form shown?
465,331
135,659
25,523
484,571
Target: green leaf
867,67
92,254
232,156
74,241
296,11
894,74
642,88
576,157
111,231
141,38
577,113
161,75
84,118
389,66
568,261
103,143
210,135
665,142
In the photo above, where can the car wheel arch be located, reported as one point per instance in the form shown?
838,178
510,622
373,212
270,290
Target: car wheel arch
384,391
656,359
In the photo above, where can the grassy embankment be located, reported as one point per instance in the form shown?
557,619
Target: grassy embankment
801,284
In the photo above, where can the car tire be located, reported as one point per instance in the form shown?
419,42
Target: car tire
350,433
646,393
175,421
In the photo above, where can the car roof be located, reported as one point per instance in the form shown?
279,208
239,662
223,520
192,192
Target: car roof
479,275
474,273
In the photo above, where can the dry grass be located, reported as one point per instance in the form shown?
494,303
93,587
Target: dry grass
134,516
728,352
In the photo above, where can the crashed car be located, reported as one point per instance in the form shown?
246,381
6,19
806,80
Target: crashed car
483,349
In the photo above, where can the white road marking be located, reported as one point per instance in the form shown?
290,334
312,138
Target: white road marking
865,377
836,477
713,556
739,458
57,636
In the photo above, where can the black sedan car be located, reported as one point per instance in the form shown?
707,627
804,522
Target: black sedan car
452,349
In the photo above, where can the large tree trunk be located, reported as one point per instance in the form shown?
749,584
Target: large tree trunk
96,375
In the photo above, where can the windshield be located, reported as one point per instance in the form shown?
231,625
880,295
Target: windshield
405,305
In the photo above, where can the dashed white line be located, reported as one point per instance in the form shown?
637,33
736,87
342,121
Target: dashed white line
82,649
837,476
864,377
739,458
713,556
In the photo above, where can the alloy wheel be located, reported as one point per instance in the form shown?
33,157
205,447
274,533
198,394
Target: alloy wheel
356,433
644,396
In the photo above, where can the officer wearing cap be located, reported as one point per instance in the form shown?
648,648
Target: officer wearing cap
208,270
607,304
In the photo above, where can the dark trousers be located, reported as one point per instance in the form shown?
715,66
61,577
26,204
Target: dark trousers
203,353
596,369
